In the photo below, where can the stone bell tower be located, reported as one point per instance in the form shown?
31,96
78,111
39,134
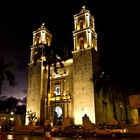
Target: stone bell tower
84,61
36,76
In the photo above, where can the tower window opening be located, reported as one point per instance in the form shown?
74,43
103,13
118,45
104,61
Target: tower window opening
81,24
82,43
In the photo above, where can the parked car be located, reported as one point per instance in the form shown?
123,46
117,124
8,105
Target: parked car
73,130
110,130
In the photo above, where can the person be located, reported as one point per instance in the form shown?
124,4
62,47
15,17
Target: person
47,131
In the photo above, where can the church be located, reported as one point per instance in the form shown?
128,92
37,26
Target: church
72,90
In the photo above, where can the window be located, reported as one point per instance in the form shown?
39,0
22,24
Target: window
57,90
81,42
81,24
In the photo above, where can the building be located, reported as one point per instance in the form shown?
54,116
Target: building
72,91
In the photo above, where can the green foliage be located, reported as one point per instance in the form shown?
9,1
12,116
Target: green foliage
31,115
6,74
11,104
51,55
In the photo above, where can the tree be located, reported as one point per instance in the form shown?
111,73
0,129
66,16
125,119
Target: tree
8,104
20,110
109,88
31,115
49,55
5,73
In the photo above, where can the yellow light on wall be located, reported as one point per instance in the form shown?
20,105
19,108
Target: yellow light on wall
78,47
84,25
85,45
87,19
43,37
79,114
78,27
10,137
12,119
135,117
55,98
78,117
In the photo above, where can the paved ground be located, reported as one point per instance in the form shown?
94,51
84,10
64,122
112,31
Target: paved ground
134,131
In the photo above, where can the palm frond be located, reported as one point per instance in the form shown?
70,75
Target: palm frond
10,78
5,73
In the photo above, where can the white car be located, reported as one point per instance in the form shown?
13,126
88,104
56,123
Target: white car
112,130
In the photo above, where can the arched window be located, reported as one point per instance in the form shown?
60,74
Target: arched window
81,24
57,117
81,42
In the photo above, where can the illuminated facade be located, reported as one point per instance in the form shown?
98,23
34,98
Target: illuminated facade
85,48
37,82
72,88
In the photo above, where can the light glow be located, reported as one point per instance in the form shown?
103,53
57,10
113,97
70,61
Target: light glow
78,27
10,137
12,119
85,45
43,37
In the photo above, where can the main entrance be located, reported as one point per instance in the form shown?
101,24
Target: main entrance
57,116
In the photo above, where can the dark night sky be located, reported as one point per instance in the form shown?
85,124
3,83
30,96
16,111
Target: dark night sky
116,25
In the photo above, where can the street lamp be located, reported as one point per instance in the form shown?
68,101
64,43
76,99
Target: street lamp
55,98
67,105
67,98
55,110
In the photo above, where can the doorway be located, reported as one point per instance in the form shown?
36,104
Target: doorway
57,116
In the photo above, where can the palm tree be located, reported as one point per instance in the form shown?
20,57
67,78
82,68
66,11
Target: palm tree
125,99
51,55
5,73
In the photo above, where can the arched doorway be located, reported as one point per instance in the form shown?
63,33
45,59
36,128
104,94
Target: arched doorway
57,117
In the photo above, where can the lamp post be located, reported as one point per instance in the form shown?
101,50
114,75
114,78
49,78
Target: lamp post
55,98
67,105
55,111
68,97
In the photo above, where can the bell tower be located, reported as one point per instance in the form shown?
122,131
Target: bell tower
84,34
36,75
84,61
41,37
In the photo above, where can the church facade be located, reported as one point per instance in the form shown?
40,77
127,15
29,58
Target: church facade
72,90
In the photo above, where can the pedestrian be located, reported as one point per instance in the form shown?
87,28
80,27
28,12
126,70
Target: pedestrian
47,131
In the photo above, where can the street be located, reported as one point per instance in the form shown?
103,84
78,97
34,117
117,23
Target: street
29,137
